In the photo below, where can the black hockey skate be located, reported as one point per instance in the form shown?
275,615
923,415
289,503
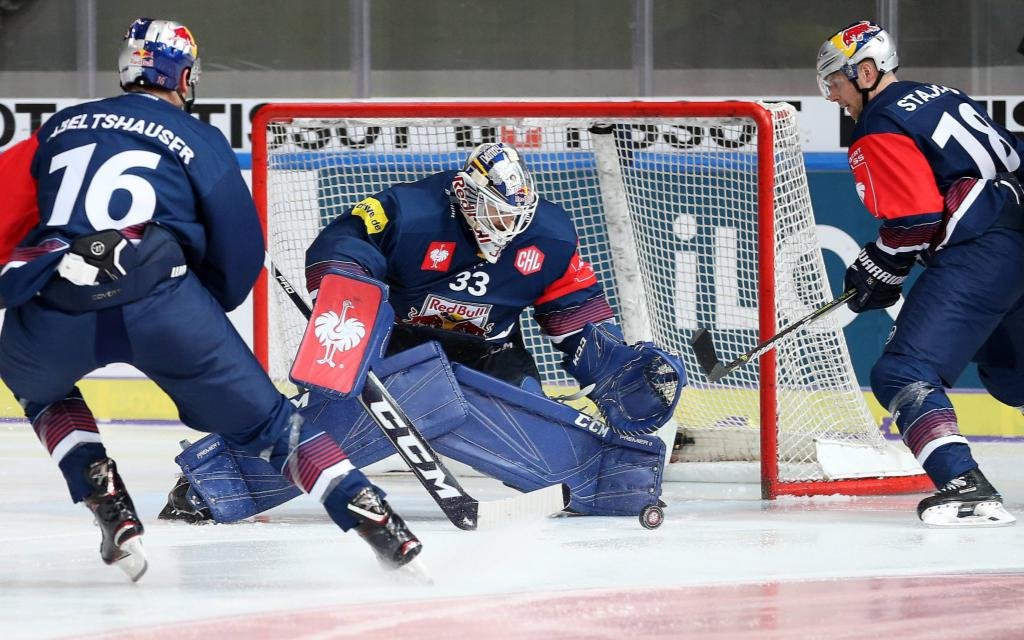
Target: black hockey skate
967,500
384,529
183,504
116,517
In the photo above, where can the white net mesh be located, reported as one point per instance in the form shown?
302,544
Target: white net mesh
689,187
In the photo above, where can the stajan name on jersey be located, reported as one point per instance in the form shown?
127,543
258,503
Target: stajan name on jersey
126,123
918,97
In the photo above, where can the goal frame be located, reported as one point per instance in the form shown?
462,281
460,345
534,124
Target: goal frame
771,485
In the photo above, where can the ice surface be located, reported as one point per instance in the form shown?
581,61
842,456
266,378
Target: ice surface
724,564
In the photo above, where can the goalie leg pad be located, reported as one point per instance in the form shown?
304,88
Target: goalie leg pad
636,387
420,379
529,441
215,476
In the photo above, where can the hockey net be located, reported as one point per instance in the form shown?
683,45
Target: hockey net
693,215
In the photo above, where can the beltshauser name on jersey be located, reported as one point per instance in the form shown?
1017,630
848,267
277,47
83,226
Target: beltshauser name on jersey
126,123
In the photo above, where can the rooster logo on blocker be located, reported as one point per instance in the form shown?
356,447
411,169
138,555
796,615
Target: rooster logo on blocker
337,333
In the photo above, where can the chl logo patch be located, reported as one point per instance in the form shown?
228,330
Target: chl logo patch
438,256
529,260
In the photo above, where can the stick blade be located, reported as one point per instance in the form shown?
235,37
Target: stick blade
704,348
534,505
718,372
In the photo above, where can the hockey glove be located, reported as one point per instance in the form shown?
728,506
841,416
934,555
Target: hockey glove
877,277
1009,181
1013,210
635,387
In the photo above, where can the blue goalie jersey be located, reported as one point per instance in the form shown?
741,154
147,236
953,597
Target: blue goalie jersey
413,237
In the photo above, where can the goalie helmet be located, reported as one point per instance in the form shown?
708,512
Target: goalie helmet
496,195
155,52
852,45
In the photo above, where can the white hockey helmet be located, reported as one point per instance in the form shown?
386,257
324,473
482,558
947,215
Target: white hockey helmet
852,45
155,52
496,195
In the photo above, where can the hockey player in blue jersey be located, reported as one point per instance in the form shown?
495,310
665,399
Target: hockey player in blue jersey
144,236
945,181
463,253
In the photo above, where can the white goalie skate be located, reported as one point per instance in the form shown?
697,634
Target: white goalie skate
968,500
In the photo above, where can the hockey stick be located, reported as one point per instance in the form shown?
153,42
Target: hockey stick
715,369
464,511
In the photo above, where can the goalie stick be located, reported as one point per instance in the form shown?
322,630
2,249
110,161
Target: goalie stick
715,369
464,511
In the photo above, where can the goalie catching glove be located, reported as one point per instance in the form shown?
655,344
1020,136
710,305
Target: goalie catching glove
636,387
877,277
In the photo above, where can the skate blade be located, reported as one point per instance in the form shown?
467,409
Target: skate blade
415,571
133,562
986,514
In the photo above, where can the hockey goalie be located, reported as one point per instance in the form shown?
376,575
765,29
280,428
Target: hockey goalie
460,254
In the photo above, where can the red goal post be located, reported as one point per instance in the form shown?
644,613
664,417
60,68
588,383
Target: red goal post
693,214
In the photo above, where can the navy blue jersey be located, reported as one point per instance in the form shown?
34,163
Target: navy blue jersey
132,160
413,237
911,144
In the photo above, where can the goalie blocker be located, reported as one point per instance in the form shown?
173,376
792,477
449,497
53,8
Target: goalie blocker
523,439
346,334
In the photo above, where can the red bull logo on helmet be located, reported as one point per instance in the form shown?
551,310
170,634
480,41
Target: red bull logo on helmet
850,39
183,33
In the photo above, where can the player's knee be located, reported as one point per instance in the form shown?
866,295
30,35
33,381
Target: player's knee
894,373
1005,385
264,435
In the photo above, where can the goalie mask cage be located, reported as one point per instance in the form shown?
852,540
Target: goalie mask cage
692,214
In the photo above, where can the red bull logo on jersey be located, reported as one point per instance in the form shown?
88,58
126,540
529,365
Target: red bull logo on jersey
850,39
452,315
